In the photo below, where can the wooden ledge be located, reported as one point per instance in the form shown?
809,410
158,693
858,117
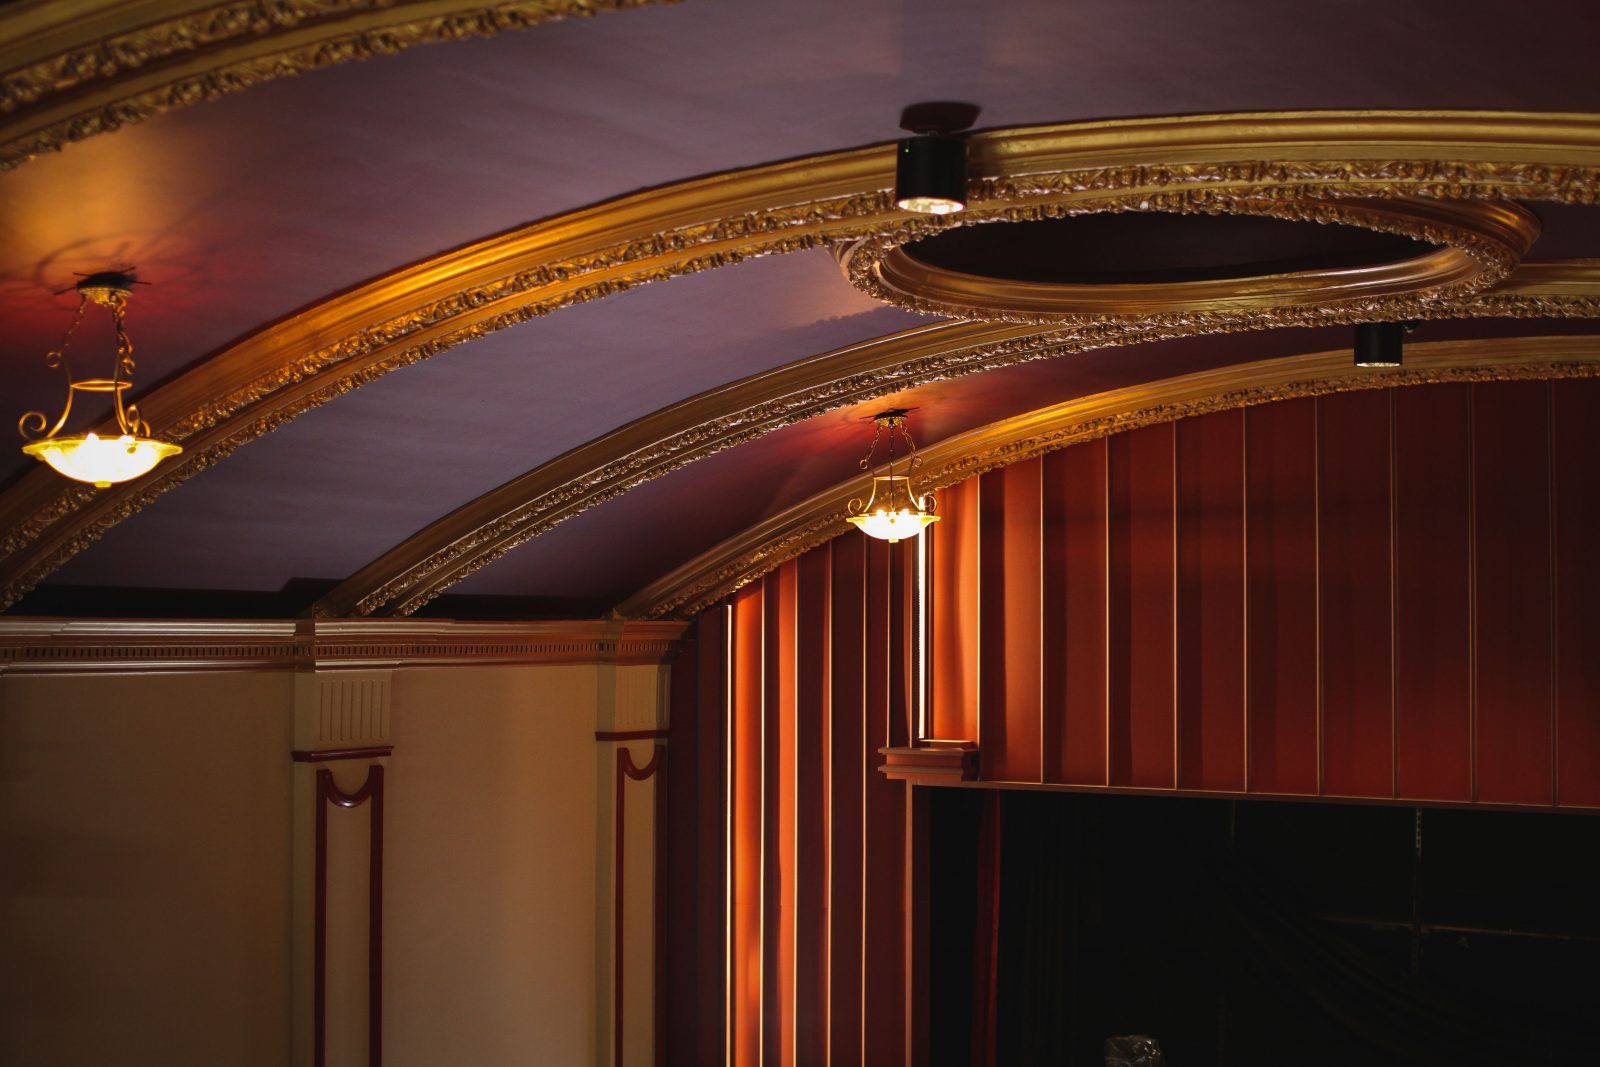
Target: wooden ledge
931,763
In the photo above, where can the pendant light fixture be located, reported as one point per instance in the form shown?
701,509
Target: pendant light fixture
88,457
892,510
1380,344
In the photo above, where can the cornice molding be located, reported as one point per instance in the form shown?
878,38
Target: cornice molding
1193,163
736,562
89,646
70,69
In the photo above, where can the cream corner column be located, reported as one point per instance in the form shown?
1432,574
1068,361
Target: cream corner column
631,736
341,748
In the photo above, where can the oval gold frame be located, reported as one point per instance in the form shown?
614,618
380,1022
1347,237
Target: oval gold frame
1478,243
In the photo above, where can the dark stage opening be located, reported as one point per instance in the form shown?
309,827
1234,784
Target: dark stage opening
1259,932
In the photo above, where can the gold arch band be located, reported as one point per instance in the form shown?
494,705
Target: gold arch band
70,69
270,377
1478,243
420,568
736,562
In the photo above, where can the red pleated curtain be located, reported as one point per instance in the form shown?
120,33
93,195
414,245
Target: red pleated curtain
1382,596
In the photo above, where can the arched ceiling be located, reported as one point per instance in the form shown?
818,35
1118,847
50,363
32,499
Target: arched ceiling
280,222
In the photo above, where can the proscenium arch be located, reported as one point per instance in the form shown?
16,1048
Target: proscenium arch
1190,163
482,530
70,69
741,559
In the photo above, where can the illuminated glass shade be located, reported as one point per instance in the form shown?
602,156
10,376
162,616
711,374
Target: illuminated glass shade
894,512
101,460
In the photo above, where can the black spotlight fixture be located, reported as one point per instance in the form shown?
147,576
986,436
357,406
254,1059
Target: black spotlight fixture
931,170
1379,344
931,177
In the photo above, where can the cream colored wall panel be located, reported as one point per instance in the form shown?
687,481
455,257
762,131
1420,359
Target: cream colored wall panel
144,885
490,894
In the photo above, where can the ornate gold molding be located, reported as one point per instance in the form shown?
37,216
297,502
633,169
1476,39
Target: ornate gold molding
56,646
1479,243
70,69
290,367
482,530
740,560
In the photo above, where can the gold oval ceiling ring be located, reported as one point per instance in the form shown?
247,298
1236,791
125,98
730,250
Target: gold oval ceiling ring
481,531
70,69
1477,243
354,337
739,560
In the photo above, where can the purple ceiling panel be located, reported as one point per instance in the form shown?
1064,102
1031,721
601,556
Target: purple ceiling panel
335,488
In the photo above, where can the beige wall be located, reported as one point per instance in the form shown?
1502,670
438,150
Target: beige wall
489,904
144,858
145,867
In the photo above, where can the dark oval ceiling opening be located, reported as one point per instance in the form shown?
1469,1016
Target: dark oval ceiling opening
1132,248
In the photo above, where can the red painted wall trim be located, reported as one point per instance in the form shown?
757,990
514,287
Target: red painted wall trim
628,735
326,755
329,793
627,769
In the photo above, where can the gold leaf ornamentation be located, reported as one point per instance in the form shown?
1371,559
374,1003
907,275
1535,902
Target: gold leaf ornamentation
197,54
838,198
731,566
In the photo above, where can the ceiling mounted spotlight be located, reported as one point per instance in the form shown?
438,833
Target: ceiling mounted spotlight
893,510
931,172
1379,344
88,457
931,176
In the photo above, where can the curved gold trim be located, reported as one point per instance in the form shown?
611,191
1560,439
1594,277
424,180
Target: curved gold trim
70,69
728,567
482,530
288,368
1482,240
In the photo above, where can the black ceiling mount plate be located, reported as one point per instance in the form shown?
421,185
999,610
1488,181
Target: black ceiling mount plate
939,116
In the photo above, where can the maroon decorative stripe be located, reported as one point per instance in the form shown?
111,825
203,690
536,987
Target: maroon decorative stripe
659,1007
629,735
319,951
327,755
625,770
330,793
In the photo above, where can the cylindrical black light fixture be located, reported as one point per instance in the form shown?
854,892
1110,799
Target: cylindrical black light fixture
1379,344
931,176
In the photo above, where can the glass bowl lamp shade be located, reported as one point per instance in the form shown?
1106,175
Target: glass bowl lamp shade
931,175
893,512
100,460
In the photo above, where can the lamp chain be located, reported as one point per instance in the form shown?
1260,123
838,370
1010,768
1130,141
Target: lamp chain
57,357
128,417
866,461
32,423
